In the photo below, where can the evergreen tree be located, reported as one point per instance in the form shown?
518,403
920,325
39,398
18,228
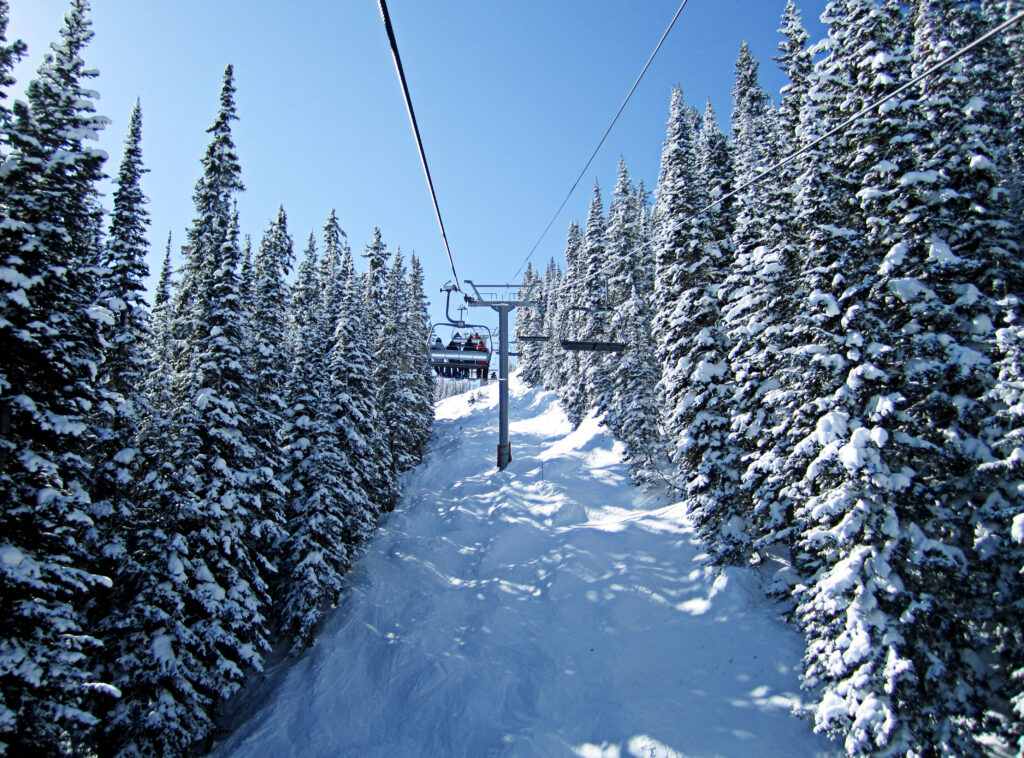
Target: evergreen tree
1002,536
307,354
528,322
328,504
246,279
332,276
715,175
122,374
51,338
10,55
592,323
421,375
626,387
119,490
633,417
375,282
694,382
551,353
753,297
393,373
359,426
567,376
218,522
270,363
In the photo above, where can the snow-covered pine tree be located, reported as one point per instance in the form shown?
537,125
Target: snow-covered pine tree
328,506
832,391
676,200
332,277
753,299
826,318
943,287
528,322
350,364
691,346
122,374
551,351
753,122
246,278
269,365
893,535
394,377
643,254
375,281
421,375
796,61
219,521
626,386
308,363
634,417
999,535
1001,539
569,377
119,490
159,348
51,347
623,270
10,55
160,315
715,175
592,324
624,234
352,402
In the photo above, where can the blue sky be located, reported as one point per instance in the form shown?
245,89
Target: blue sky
511,97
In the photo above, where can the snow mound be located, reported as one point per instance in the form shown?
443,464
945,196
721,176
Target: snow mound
550,609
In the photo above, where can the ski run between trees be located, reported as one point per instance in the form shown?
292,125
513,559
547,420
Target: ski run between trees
825,374
552,609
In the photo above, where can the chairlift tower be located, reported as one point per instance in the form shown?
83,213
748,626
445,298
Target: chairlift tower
502,306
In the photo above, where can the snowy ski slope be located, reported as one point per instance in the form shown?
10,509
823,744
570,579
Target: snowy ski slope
547,610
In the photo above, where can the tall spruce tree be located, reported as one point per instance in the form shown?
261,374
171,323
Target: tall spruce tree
269,366
394,375
551,351
327,503
50,333
528,322
219,522
592,323
122,374
421,377
569,378
359,426
714,174
691,344
120,490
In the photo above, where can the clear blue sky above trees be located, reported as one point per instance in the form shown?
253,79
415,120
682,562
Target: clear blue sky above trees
511,100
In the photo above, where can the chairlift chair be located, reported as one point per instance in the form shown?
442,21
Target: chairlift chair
451,361
590,346
463,362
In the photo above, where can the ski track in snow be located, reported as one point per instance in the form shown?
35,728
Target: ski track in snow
551,609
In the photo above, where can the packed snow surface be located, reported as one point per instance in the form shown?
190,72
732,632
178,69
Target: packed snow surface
551,609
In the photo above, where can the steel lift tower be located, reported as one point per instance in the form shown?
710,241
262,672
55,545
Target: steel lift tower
502,306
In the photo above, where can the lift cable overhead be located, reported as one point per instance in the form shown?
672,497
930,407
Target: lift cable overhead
416,130
603,138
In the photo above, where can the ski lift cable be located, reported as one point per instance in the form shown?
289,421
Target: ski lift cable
416,131
603,138
831,133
